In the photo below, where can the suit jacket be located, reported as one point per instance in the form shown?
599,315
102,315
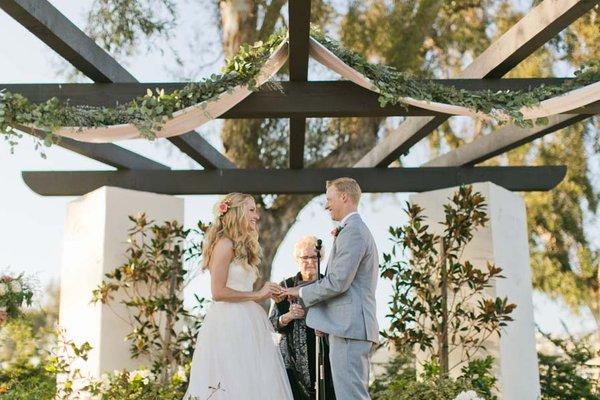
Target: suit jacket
342,303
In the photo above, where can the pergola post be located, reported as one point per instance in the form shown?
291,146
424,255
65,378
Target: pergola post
94,243
503,242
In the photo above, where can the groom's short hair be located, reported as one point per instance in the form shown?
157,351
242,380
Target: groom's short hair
348,186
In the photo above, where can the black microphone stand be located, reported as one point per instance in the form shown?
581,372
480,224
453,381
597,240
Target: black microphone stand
319,344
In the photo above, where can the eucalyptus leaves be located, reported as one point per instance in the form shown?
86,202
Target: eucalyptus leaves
148,112
393,85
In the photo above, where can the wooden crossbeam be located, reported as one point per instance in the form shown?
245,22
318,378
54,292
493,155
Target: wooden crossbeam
290,181
539,25
48,24
500,141
299,30
106,153
315,99
60,34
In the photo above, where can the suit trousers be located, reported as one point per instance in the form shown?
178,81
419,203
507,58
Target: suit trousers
350,367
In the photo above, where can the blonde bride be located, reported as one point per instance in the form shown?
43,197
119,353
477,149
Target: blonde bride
236,356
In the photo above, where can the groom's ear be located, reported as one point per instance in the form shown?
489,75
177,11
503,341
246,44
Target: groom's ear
344,196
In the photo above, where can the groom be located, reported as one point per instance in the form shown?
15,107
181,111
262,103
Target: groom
342,303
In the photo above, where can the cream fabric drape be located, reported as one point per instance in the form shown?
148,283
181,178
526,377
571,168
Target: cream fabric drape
195,116
556,105
187,119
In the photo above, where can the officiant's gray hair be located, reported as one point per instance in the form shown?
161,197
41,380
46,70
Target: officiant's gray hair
348,186
307,242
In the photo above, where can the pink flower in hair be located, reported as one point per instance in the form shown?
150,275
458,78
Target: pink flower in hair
223,208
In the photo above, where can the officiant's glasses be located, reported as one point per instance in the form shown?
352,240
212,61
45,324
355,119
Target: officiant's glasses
308,258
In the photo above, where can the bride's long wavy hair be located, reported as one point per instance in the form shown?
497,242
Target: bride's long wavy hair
233,224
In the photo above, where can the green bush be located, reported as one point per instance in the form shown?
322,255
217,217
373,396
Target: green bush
27,382
569,374
399,382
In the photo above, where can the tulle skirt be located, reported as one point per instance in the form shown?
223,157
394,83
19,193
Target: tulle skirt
236,356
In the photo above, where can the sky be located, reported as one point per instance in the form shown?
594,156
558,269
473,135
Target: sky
32,225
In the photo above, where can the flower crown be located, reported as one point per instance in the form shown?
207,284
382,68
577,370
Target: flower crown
223,207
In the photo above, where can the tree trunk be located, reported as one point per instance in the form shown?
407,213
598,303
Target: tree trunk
443,356
238,24
593,303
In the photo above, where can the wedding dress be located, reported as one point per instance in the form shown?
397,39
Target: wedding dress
236,355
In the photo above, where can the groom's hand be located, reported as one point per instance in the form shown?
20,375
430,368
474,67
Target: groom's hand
292,293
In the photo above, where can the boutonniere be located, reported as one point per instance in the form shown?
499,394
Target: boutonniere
336,231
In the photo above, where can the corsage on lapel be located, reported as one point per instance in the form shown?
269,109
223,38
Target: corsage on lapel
337,231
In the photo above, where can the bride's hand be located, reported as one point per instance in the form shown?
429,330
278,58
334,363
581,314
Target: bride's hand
269,290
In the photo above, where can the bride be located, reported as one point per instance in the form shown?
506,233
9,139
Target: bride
236,355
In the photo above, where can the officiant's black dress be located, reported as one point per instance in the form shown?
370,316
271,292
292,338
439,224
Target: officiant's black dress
298,348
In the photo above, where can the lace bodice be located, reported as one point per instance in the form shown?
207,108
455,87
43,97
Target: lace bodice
240,278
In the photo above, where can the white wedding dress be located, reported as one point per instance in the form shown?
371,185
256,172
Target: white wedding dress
236,355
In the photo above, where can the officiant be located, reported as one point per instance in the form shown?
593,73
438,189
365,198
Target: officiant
298,341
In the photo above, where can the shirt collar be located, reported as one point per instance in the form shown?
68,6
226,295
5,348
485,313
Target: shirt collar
343,221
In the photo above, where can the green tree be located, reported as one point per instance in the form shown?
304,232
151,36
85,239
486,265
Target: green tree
438,304
564,260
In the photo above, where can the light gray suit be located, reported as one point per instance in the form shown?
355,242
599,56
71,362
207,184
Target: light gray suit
343,305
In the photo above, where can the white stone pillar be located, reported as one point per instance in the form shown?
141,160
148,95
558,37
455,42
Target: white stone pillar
95,239
503,242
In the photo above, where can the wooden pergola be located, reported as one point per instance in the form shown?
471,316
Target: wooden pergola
299,99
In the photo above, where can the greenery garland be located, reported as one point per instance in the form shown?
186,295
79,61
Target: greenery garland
393,85
148,112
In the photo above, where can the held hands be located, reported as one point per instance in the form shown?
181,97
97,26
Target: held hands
292,293
270,290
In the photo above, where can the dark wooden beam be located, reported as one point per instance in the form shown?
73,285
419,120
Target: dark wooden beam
58,32
109,154
299,28
290,181
299,31
47,23
315,99
538,26
201,151
550,30
545,130
500,141
297,137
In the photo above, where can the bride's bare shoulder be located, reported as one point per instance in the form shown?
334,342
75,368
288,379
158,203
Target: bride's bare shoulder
224,243
223,250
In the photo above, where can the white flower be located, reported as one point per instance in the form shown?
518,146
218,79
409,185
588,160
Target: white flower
15,286
105,382
142,374
2,289
469,395
180,374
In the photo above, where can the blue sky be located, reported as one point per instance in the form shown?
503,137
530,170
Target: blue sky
30,239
